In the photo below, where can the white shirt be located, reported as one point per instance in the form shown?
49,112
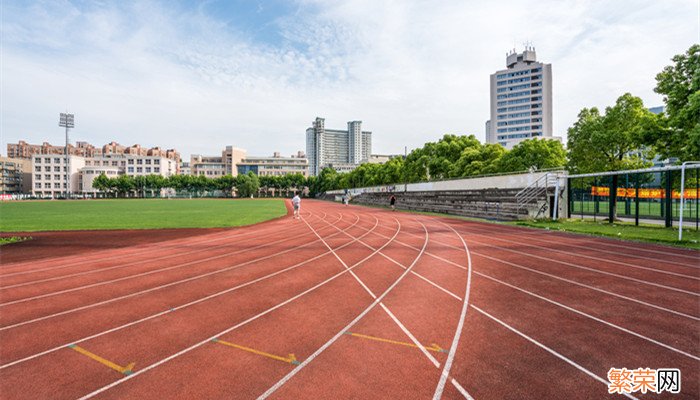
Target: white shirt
296,200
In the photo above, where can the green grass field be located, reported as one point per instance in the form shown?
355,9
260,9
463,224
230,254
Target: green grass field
646,208
29,216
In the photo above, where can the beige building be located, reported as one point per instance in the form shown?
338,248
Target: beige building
49,174
135,165
88,175
275,165
217,166
26,150
521,100
85,149
15,175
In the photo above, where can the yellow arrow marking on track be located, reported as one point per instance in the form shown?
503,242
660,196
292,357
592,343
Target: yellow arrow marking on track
433,347
124,370
291,359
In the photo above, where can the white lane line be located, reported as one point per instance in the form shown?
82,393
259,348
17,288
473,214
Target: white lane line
133,294
150,317
583,238
148,260
514,265
251,319
547,349
641,257
391,315
633,246
549,275
594,270
199,261
610,324
633,333
460,326
551,351
133,251
489,235
340,333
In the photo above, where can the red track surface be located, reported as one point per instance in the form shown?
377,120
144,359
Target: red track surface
372,304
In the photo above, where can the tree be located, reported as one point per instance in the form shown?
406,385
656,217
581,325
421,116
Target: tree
680,86
101,183
247,184
533,153
611,142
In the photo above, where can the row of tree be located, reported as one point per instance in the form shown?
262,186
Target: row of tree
244,185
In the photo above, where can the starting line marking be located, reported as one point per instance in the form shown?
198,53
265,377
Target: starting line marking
124,370
291,359
433,347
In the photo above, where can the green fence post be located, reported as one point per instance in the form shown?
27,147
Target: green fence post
668,198
636,201
612,199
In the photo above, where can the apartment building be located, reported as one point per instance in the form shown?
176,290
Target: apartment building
521,100
49,174
275,165
86,150
217,166
342,150
15,175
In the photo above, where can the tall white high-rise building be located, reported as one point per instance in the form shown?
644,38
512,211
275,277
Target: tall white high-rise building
338,149
521,100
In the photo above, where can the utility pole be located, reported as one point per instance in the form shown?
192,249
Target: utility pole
67,121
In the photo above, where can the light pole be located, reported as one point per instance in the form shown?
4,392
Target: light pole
66,121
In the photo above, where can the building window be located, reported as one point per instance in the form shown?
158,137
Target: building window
37,168
156,162
37,185
148,161
139,161
47,185
37,177
156,169
57,160
57,185
131,169
47,160
148,170
139,169
131,162
114,163
57,177
37,160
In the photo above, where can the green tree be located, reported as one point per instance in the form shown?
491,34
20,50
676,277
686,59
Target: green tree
101,183
680,85
533,153
247,185
611,142
124,184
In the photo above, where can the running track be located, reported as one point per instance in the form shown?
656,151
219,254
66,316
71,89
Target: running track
350,302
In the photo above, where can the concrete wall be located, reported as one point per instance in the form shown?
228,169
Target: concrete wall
515,181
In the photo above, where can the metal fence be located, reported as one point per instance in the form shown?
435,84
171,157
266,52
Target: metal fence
651,195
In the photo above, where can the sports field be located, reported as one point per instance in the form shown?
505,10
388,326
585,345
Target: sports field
29,216
351,302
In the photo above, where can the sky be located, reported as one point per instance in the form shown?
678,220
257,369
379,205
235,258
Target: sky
197,76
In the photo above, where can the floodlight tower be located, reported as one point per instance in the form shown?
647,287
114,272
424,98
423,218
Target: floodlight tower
66,121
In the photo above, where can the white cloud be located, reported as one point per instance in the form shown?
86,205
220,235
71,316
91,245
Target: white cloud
156,75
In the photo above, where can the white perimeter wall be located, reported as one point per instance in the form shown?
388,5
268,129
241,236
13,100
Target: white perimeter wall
516,181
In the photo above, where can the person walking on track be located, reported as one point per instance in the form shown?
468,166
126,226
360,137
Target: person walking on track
392,202
296,203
